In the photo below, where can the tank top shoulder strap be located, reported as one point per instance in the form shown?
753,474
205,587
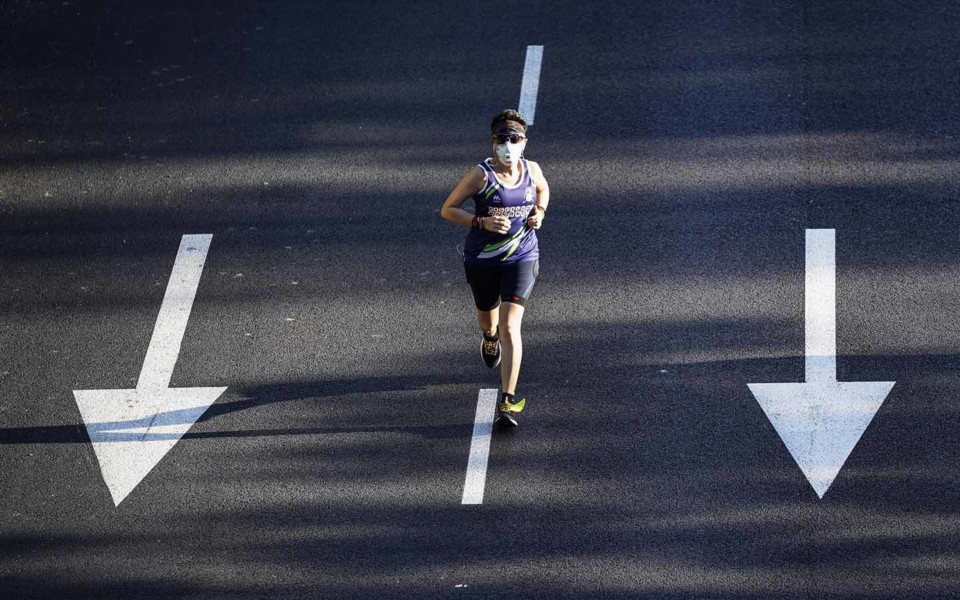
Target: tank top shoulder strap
491,178
483,164
526,173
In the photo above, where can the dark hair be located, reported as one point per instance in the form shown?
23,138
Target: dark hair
507,115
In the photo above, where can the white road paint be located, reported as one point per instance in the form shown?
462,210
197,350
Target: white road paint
821,420
531,83
131,430
820,306
480,447
174,312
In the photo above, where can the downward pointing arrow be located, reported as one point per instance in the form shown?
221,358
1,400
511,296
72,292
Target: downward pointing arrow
821,421
131,430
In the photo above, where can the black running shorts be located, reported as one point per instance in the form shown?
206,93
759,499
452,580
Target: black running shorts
509,283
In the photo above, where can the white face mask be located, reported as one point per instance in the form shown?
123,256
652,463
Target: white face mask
509,154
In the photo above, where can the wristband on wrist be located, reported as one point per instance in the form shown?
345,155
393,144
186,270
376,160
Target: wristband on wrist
541,209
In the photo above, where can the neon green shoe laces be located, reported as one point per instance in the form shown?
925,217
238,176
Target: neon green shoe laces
513,407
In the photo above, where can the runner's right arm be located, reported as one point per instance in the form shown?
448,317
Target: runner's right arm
471,184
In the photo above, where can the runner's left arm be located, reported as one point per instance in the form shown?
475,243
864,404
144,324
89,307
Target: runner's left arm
543,195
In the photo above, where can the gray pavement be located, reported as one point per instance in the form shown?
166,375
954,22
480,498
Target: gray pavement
688,146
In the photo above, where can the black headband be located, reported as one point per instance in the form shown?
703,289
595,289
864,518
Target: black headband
511,127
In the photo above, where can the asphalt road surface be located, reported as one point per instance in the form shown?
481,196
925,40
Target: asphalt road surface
689,146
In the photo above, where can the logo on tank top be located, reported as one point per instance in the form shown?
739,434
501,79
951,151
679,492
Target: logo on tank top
512,212
528,195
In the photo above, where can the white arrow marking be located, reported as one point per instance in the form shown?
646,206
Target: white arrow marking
131,430
821,421
530,84
480,447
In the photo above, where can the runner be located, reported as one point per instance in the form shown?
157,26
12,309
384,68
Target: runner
501,256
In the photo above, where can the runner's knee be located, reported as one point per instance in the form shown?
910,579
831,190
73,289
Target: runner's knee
510,328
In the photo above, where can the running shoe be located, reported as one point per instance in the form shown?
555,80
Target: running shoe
490,351
508,412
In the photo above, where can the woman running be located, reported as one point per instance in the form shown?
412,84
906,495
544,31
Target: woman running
501,256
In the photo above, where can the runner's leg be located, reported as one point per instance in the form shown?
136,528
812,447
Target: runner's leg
511,314
515,287
485,286
488,321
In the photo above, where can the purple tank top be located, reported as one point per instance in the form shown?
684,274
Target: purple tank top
519,244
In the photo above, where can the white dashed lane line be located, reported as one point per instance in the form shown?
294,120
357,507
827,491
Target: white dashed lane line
531,83
480,447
